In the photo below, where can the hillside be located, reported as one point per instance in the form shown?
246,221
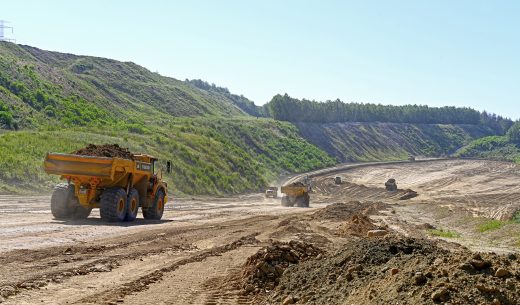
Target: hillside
82,90
219,142
209,156
61,102
389,141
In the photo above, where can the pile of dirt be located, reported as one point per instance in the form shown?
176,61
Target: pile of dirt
297,183
408,194
342,211
399,270
262,271
106,150
358,225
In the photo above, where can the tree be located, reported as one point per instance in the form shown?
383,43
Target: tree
514,133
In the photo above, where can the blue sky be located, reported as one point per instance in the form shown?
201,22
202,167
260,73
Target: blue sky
462,53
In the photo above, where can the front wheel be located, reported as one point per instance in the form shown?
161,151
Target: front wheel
113,205
156,210
60,201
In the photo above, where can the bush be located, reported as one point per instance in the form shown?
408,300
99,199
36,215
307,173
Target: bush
6,118
513,133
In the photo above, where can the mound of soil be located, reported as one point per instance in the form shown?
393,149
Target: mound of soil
357,225
399,270
342,211
297,183
408,194
106,150
263,270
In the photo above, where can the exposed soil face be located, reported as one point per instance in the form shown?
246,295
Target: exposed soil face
251,250
106,150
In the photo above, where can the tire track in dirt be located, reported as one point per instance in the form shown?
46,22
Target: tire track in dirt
143,282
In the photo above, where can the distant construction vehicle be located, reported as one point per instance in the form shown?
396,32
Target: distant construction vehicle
391,185
271,192
296,194
411,158
117,186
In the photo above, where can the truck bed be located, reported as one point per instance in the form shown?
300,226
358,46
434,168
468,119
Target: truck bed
75,165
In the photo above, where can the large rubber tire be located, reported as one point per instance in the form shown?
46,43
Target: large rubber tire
286,202
60,201
156,210
132,202
79,211
113,205
306,200
300,202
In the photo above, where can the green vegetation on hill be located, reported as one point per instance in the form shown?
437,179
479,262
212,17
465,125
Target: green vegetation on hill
209,155
41,87
286,108
506,148
61,102
493,147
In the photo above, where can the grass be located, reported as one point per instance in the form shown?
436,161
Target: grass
444,233
209,155
491,224
492,147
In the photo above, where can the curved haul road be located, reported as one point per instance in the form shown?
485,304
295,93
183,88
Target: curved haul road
192,255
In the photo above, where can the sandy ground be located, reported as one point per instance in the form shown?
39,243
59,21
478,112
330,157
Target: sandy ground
190,256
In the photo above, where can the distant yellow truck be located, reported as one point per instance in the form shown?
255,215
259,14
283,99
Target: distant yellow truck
296,194
271,192
118,187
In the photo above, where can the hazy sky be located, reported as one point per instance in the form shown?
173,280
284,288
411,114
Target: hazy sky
462,53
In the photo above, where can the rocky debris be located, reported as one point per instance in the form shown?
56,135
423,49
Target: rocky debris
400,270
262,271
6,291
106,150
501,272
409,194
441,295
376,233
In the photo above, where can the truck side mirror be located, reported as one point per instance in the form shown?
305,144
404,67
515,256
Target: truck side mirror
168,166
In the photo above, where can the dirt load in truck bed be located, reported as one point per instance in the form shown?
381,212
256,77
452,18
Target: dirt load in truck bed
106,150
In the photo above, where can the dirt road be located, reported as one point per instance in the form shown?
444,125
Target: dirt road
196,254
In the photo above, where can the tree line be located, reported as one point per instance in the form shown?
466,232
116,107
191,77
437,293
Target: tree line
286,108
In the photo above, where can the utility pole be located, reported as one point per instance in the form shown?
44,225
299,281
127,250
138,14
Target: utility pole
4,27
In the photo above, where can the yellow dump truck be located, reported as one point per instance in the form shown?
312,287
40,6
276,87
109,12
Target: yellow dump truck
117,186
296,194
271,192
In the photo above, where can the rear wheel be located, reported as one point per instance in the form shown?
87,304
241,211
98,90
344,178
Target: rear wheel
156,210
132,202
113,205
60,201
286,202
79,211
303,202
